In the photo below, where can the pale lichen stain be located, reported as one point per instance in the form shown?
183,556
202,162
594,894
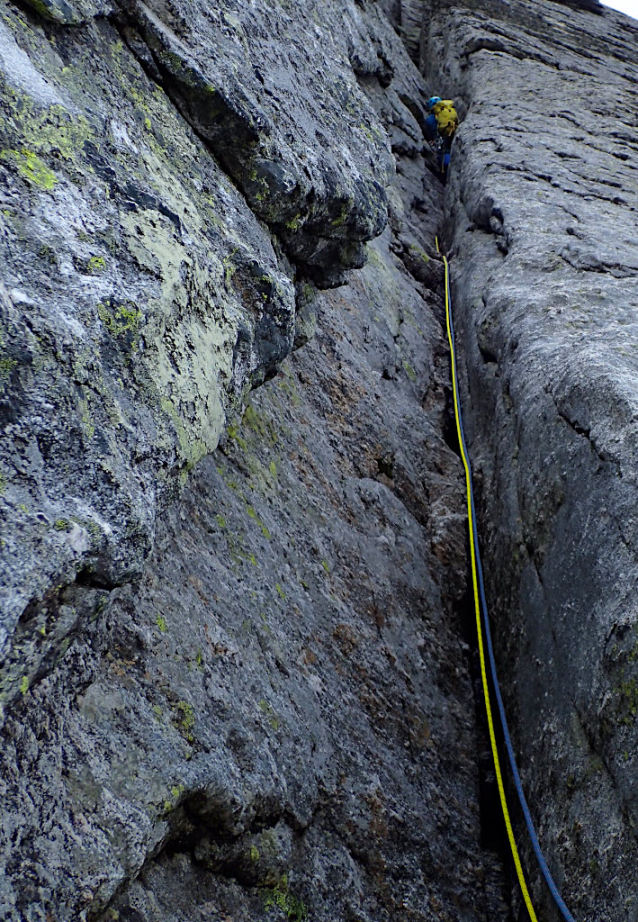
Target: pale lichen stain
30,167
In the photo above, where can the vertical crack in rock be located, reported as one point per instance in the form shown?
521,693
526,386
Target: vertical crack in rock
247,693
253,701
541,210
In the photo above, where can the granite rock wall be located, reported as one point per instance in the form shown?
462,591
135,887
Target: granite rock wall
235,676
541,212
237,670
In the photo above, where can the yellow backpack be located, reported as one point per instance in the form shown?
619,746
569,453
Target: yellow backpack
446,118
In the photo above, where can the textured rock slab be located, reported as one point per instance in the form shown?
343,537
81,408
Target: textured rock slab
543,201
273,90
278,716
140,300
142,295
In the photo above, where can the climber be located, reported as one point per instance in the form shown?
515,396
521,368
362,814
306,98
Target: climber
440,127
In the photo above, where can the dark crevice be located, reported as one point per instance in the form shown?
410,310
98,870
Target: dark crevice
487,354
564,155
581,430
585,433
386,466
499,879
618,271
450,432
499,876
498,869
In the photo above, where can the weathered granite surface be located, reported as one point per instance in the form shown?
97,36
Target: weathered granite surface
254,701
140,299
542,232
407,17
235,680
144,292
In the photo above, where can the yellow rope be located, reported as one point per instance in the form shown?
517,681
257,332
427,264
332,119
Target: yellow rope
477,607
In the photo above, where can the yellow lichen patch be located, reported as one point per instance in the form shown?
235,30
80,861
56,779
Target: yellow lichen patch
410,372
57,130
6,367
267,709
188,333
53,131
95,265
87,420
120,319
184,719
30,167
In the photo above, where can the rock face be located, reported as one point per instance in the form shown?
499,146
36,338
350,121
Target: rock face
407,18
253,701
542,229
143,294
235,680
141,298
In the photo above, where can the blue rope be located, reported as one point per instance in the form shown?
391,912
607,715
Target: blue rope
497,689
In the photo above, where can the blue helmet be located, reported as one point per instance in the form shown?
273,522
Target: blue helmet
432,101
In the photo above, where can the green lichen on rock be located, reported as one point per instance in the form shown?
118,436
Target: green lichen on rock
294,224
31,167
233,433
409,370
87,419
95,265
176,792
420,252
280,897
267,709
6,367
119,319
42,132
259,425
184,720
627,698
